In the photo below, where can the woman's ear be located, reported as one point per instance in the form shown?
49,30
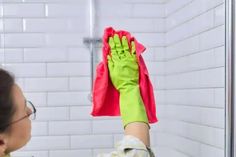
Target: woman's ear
3,146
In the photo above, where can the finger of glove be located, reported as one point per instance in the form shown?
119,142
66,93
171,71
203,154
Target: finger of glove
118,45
113,49
126,46
110,62
133,49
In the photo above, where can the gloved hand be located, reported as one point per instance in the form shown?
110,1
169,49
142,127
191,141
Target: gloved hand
124,74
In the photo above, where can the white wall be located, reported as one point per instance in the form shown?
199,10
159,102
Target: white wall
193,108
42,41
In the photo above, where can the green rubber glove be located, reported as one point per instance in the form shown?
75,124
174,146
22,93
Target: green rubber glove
124,73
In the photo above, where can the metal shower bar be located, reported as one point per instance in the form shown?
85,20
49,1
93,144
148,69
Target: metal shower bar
229,78
91,41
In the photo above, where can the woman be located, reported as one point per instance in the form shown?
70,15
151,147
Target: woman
15,114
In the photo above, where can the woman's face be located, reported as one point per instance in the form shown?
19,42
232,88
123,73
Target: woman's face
19,133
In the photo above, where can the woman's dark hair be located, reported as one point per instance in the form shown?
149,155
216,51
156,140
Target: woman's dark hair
7,108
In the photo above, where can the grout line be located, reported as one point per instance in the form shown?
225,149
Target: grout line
193,53
194,35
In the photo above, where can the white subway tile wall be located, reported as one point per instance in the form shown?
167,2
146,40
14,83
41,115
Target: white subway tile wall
41,42
192,112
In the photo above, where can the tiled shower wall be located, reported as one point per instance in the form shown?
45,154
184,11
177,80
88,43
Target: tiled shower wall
193,108
41,42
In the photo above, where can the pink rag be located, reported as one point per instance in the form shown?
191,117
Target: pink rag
106,97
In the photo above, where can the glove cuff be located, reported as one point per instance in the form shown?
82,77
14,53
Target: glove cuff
131,106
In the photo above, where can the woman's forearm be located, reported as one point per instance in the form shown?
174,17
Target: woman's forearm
139,130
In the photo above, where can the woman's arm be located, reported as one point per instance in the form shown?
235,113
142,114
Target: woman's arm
124,73
139,130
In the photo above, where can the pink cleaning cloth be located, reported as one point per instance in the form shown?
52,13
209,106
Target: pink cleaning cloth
106,97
